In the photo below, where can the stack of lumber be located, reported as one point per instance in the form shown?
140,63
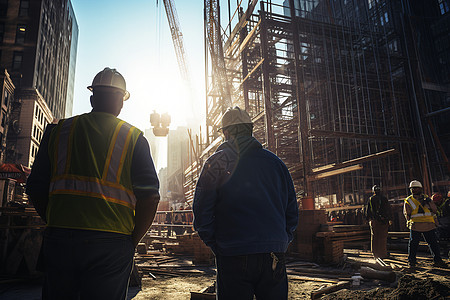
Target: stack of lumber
350,235
332,243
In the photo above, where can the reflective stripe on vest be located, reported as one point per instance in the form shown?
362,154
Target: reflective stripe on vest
63,144
440,208
426,216
116,153
116,194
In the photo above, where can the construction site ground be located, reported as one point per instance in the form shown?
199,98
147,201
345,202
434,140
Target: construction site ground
165,276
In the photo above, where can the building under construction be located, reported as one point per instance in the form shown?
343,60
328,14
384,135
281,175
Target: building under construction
348,93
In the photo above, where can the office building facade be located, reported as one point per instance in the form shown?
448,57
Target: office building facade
38,44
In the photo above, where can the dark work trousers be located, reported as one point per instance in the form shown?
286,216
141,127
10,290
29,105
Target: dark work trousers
84,264
378,241
241,277
430,238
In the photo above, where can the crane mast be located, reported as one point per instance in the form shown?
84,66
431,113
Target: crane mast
214,37
177,38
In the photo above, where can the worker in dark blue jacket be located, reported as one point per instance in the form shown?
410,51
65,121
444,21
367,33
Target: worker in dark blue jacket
245,210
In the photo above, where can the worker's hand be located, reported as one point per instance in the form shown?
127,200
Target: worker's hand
390,222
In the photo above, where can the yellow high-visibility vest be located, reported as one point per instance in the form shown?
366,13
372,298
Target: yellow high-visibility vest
91,185
426,216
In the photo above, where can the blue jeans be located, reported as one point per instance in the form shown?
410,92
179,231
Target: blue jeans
84,264
430,238
241,277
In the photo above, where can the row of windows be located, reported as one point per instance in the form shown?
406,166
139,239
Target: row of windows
21,31
23,9
39,116
37,133
444,6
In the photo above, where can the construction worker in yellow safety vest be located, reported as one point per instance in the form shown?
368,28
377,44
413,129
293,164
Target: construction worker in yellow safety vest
419,212
94,184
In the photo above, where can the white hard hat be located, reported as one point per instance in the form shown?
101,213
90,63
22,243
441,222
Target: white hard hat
235,116
415,183
112,79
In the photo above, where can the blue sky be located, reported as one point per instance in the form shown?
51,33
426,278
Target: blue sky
134,37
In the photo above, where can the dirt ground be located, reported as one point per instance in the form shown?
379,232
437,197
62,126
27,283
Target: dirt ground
180,288
175,277
408,287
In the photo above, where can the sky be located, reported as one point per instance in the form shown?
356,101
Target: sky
134,37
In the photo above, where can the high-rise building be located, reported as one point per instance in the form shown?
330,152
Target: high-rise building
152,141
177,162
6,97
38,45
38,41
72,63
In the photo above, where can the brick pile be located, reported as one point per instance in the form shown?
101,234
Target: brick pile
202,253
191,244
305,244
333,251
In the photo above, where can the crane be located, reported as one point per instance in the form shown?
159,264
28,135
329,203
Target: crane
214,37
177,38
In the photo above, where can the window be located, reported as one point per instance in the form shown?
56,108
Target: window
17,61
393,47
443,6
6,101
24,6
384,19
20,34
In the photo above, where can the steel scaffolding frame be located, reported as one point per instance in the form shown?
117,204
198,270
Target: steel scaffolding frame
326,93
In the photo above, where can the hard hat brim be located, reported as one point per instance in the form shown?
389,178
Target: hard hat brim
125,97
222,128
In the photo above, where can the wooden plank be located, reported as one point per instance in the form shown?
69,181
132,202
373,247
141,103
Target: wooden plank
307,278
336,287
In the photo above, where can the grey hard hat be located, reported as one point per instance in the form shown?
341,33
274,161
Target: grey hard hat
235,116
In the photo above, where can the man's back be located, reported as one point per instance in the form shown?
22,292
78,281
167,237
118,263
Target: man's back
91,184
253,190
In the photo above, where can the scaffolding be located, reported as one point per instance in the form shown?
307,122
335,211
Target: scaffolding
324,82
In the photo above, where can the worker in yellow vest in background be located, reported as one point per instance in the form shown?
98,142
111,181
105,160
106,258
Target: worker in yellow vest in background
419,212
94,183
